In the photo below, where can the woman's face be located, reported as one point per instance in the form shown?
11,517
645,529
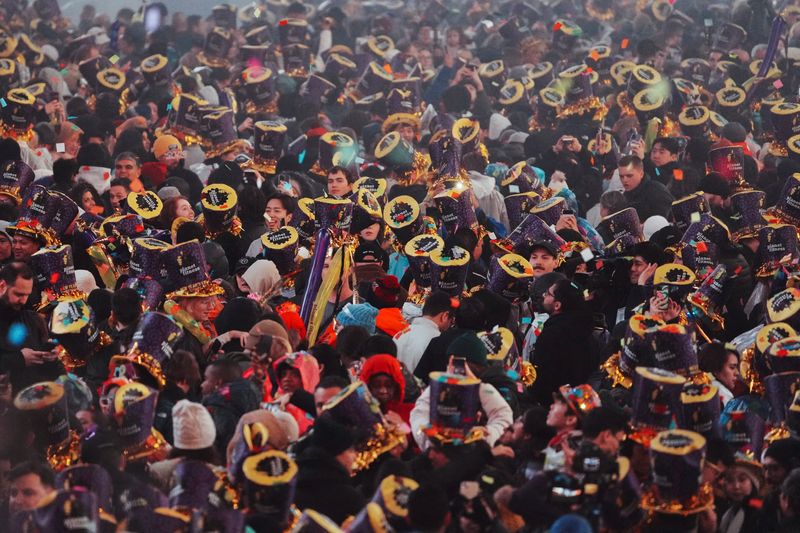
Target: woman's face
184,209
383,388
291,381
87,201
277,214
371,232
425,59
738,485
453,38
145,141
729,374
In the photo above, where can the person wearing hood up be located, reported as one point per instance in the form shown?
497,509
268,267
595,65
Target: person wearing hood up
484,189
384,378
297,375
260,279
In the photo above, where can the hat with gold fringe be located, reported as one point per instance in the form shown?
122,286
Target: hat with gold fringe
184,119
509,275
677,458
399,155
785,118
15,178
550,210
674,349
185,264
152,343
45,406
787,208
333,213
621,224
784,355
530,232
674,280
216,46
454,406
455,209
55,276
744,427
747,219
303,218
354,406
466,131
637,350
377,186
417,251
777,247
449,268
134,411
73,326
579,94
219,131
220,204
267,147
707,229
392,497
521,178
64,510
339,66
44,215
548,101
146,204
18,115
694,121
154,69
656,402
709,297
375,79
379,46
445,152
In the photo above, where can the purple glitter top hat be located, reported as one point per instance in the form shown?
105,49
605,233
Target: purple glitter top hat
316,89
677,458
220,204
780,390
216,46
269,484
637,345
259,85
90,477
519,179
268,146
787,209
550,210
366,211
418,251
90,67
303,218
683,209
449,269
333,213
455,402
620,224
532,230
185,264
402,215
701,409
445,152
656,402
777,246
296,60
673,348
501,348
280,247
15,177
219,130
152,344
455,209
134,412
708,229
728,161
701,257
747,219
509,276
743,428
374,80
149,290
146,258
55,275
46,405
339,66
194,483
518,206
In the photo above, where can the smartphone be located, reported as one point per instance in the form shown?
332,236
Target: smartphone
460,366
568,212
50,345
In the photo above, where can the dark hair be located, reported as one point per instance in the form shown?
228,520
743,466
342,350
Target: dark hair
77,191
228,369
378,344
347,174
630,161
603,418
712,357
64,170
45,473
437,302
127,305
93,155
649,251
613,201
790,489
670,144
129,156
121,182
10,272
456,99
169,211
329,360
130,140
328,382
427,508
287,201
569,295
182,366
189,231
470,314
465,238
718,451
349,341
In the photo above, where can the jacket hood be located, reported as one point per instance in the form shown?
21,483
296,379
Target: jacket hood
385,364
305,363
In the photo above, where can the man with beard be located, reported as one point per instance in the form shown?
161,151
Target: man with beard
24,350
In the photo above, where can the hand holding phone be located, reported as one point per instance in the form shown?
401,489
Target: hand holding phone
459,366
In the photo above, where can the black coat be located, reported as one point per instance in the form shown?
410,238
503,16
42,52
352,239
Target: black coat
650,198
435,357
11,359
324,485
227,405
566,352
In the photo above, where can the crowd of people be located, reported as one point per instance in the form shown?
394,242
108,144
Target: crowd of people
400,266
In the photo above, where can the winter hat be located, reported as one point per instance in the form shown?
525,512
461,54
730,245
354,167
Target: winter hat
165,193
363,315
288,425
786,452
167,143
384,292
4,228
470,347
332,436
652,225
193,427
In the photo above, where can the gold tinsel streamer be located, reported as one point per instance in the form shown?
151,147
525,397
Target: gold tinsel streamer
154,448
65,454
612,369
382,440
704,499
